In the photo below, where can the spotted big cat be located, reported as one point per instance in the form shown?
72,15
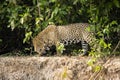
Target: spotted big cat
66,34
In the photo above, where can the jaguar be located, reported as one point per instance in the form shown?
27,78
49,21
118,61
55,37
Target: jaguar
66,34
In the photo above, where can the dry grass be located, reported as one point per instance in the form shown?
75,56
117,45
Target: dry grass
56,68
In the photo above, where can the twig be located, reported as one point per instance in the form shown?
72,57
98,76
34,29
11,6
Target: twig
116,47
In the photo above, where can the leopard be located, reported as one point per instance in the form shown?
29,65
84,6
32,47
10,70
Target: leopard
66,34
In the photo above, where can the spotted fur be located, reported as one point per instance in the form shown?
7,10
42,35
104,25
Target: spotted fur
66,34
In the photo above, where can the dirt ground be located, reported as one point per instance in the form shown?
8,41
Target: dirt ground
57,68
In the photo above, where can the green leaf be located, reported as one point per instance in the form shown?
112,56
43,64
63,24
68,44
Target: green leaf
97,68
0,40
113,23
75,2
56,10
22,20
117,3
60,47
54,13
12,24
88,29
109,46
106,31
53,0
103,44
34,2
91,61
27,36
64,73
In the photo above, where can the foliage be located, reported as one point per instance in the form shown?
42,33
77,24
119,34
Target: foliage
60,48
64,73
95,67
28,17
